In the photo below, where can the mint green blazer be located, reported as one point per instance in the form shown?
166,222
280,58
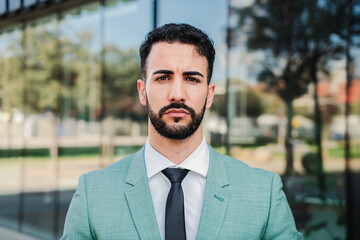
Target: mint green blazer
240,202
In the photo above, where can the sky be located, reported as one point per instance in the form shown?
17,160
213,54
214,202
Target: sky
126,24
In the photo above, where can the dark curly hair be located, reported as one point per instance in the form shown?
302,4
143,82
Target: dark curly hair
181,33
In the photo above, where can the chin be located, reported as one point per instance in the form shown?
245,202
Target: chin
179,121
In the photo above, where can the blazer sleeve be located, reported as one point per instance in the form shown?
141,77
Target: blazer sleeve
77,226
281,224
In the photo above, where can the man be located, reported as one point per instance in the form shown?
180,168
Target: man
215,197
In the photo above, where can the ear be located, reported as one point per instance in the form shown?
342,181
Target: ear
210,95
141,91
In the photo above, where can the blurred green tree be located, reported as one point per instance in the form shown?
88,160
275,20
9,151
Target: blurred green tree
254,107
298,45
121,71
44,72
12,78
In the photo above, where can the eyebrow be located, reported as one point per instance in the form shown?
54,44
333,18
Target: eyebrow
191,73
188,73
163,71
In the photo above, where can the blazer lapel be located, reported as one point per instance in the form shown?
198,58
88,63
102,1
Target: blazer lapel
216,198
138,197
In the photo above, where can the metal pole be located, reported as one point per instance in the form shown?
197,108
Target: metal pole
103,78
348,178
21,213
227,93
7,6
56,193
155,14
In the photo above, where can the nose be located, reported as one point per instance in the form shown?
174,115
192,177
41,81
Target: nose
177,91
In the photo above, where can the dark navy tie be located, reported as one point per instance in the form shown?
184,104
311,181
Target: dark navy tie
174,214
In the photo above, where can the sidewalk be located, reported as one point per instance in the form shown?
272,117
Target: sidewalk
9,234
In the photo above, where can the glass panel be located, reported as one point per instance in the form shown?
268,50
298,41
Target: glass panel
2,6
14,5
79,129
28,3
69,105
11,125
122,110
131,33
41,105
353,123
291,74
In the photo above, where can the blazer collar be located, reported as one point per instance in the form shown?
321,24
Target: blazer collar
137,171
216,198
217,171
138,197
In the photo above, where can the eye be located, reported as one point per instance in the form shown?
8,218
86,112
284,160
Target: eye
192,79
162,78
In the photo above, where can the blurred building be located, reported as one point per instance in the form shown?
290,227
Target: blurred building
69,105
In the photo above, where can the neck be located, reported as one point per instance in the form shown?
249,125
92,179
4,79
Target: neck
175,150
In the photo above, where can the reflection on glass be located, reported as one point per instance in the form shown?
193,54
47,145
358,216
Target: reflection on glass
122,63
290,55
352,131
41,83
69,104
28,3
14,5
78,131
10,126
2,6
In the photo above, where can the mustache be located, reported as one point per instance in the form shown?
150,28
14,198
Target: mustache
177,105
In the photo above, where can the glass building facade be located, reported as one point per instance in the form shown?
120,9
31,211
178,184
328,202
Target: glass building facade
287,99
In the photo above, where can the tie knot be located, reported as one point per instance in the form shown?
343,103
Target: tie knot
175,175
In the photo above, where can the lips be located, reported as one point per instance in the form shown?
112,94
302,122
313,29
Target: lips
177,109
174,112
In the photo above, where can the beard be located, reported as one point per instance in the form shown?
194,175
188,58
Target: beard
180,132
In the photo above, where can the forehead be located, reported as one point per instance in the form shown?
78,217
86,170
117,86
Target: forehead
174,46
175,55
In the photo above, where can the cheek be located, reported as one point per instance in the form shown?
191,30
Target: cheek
199,99
156,99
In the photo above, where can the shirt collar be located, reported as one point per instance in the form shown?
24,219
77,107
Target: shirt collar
198,161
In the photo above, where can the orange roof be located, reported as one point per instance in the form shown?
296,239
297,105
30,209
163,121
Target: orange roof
323,89
354,92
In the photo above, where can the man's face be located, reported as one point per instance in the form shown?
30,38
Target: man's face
176,92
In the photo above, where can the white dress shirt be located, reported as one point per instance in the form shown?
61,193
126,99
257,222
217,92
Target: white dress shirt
193,185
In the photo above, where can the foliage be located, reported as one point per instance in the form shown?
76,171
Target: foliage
294,38
121,72
44,72
255,106
297,46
